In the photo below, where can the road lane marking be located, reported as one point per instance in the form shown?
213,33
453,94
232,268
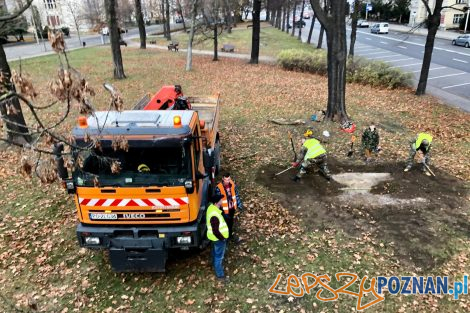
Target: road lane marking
431,69
385,56
446,87
456,74
407,59
368,38
411,43
460,60
403,47
407,65
374,49
385,43
375,53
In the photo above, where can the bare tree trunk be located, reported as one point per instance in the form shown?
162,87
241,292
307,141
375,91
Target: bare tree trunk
229,19
279,18
283,27
433,25
189,55
309,40
337,48
180,11
287,18
293,20
167,18
256,31
216,56
14,124
141,24
354,28
165,29
320,37
114,37
333,21
301,20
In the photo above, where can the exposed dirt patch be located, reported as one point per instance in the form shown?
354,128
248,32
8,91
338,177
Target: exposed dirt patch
417,215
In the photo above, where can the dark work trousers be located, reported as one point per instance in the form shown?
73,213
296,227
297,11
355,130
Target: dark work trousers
229,218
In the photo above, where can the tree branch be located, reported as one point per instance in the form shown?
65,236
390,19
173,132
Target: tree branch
320,14
427,6
16,14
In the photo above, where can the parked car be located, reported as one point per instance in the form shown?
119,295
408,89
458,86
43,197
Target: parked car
178,20
462,40
362,23
379,28
306,15
299,23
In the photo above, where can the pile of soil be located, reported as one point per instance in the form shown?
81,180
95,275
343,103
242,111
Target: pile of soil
418,214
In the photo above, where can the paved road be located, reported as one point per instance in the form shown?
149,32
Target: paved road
14,52
449,75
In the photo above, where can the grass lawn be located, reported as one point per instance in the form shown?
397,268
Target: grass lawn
42,266
272,41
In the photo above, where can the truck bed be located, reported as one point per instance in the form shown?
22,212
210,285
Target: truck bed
208,111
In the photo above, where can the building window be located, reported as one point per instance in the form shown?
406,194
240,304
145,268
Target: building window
457,18
53,20
460,1
50,4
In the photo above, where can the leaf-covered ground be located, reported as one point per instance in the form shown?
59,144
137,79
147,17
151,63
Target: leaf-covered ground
42,268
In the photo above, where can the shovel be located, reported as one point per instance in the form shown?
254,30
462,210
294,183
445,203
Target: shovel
284,171
351,151
429,170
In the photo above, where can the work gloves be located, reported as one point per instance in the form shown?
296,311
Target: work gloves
295,164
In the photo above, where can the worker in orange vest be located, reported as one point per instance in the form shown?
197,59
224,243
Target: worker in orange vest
231,202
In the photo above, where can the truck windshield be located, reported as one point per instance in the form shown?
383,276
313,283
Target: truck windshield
138,167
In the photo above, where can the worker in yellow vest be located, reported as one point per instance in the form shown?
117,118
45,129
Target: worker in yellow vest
217,233
231,202
421,143
312,153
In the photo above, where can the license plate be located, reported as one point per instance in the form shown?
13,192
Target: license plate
103,216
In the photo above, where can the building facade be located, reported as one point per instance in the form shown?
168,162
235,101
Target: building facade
450,17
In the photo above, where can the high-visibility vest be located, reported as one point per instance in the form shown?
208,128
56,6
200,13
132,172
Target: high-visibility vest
212,211
421,137
224,194
314,148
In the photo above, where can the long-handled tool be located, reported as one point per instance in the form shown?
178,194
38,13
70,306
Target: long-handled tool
284,171
351,151
293,148
429,170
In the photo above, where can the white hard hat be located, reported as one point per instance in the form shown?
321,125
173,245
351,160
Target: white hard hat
326,133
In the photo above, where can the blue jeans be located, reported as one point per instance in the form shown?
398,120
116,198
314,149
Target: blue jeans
218,251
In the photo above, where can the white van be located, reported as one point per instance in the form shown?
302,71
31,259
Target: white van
379,28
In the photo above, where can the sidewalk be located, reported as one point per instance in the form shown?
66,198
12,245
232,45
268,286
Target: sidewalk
442,34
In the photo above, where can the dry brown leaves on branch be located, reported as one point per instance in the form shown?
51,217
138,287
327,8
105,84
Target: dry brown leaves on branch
3,82
46,171
70,84
56,38
26,167
120,143
23,84
116,167
117,102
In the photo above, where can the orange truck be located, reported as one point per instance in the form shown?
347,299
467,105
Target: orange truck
142,188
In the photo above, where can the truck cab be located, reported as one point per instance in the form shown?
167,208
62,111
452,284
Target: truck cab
142,182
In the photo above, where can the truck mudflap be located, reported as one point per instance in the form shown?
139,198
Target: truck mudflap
141,249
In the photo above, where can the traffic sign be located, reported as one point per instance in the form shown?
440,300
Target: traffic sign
369,7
